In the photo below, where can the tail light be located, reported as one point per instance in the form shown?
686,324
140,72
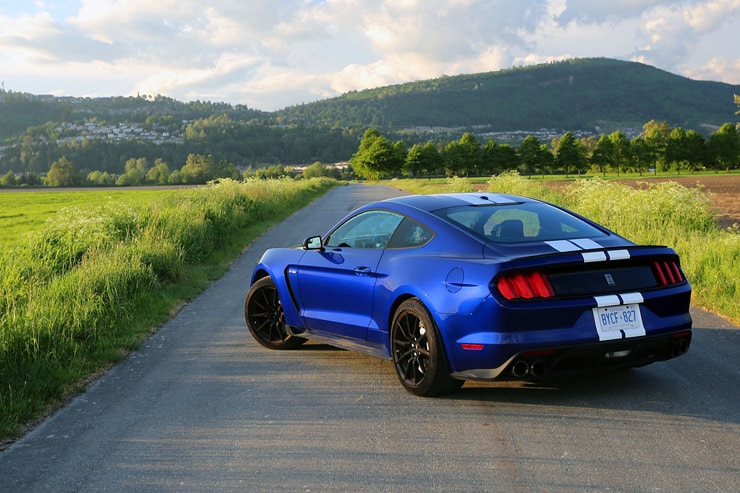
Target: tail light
667,272
524,285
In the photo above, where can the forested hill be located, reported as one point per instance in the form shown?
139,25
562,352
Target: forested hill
594,94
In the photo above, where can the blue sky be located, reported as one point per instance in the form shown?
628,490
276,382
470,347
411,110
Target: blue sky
269,54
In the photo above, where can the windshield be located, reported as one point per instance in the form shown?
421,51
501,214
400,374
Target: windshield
521,222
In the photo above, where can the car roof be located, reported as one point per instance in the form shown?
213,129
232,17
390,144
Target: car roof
436,202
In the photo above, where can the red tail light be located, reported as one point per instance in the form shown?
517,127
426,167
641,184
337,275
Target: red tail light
667,272
524,285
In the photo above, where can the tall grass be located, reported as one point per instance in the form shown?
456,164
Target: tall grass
80,293
664,213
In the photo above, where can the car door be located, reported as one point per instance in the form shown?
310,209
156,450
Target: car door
336,283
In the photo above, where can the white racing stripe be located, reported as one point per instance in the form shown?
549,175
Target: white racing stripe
619,254
629,298
608,300
587,244
594,256
563,246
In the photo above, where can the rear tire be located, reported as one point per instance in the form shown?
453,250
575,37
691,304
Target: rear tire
263,312
417,351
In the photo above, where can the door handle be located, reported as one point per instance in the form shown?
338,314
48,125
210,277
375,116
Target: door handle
363,271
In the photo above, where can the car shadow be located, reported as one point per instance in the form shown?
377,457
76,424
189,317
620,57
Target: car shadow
701,384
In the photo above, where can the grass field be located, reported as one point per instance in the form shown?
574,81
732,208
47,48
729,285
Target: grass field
22,212
89,274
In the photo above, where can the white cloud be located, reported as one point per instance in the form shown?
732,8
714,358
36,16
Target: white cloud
273,53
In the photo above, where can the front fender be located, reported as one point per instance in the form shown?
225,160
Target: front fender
276,263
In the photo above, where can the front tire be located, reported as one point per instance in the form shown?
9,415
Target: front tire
263,312
418,355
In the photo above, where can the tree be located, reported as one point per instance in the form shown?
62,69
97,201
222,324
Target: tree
641,154
274,171
454,159
198,169
502,157
62,173
8,180
130,178
569,154
603,154
229,170
175,177
100,178
656,137
471,152
621,149
431,160
676,151
529,153
399,152
724,145
414,163
696,150
140,164
159,173
375,156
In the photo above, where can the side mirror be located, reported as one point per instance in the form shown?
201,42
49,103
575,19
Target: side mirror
313,243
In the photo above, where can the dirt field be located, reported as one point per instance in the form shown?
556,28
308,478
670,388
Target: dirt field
724,192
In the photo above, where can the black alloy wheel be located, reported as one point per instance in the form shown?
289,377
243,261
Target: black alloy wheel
419,358
263,312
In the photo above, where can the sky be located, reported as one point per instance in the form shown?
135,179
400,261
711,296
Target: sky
270,54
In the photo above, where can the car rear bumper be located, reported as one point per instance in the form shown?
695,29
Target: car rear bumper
619,354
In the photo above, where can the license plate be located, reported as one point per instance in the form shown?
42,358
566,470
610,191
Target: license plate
617,322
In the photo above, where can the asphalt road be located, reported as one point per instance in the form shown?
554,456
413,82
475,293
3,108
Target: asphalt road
202,407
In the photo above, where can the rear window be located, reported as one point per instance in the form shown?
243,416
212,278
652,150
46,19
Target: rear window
517,223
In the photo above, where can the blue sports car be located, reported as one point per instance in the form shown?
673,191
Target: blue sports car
474,286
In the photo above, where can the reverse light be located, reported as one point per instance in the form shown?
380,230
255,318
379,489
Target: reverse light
667,272
524,285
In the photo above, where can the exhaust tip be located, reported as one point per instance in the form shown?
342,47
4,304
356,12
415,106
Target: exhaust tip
520,369
538,368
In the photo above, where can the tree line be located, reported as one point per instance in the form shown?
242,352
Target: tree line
224,142
658,148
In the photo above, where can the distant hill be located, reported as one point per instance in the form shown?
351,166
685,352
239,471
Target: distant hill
20,111
593,94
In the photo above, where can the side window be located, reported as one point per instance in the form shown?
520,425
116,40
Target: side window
410,234
369,229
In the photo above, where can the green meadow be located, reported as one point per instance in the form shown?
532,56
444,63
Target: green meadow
28,211
89,274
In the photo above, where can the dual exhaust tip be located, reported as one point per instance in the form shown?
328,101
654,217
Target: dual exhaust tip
523,368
